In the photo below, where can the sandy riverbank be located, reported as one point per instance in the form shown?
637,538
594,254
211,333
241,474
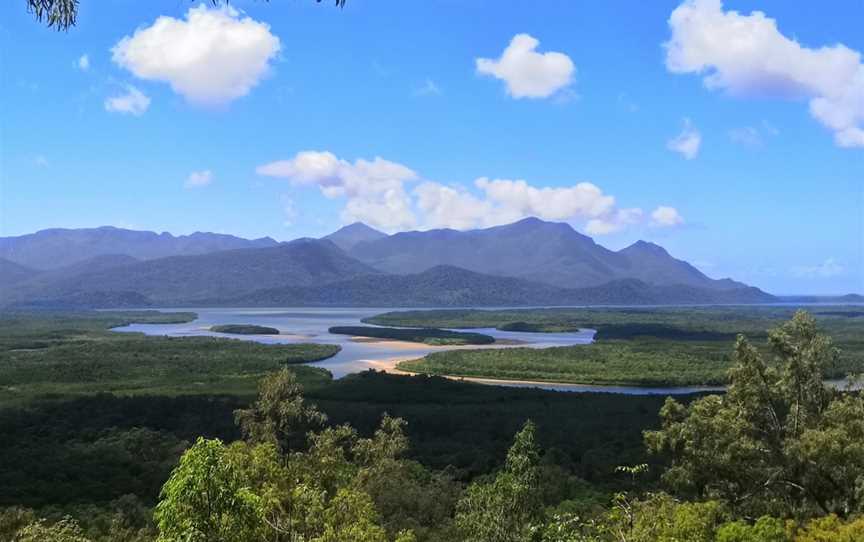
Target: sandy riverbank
390,366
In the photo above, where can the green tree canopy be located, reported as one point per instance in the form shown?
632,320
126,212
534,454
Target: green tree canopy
779,441
280,416
507,509
208,499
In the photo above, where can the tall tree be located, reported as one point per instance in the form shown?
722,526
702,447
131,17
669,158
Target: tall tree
507,509
207,498
280,416
780,440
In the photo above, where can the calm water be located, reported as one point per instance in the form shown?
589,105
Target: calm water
311,324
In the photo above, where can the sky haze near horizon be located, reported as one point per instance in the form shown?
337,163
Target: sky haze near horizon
735,139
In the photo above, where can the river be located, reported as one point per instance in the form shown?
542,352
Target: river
297,325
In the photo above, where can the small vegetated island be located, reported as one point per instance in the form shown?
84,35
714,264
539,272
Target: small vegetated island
244,329
430,336
633,346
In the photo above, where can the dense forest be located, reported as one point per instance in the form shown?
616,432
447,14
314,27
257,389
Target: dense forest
379,457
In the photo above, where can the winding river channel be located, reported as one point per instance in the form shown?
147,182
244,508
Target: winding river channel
298,325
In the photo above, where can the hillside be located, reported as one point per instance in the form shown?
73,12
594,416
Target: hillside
57,247
12,273
532,249
350,236
527,263
186,279
448,286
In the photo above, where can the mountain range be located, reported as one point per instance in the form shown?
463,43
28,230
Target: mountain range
57,248
530,262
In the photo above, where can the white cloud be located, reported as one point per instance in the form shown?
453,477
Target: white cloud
133,102
211,57
582,200
376,192
452,207
40,160
746,55
827,269
615,222
429,88
83,63
529,74
198,179
374,189
666,217
686,143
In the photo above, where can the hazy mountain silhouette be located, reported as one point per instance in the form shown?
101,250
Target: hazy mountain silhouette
350,236
548,252
58,247
530,262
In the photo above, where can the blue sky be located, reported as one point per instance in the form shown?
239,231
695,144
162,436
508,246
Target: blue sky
766,184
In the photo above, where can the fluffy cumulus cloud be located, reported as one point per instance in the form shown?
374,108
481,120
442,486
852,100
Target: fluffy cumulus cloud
375,190
502,201
686,143
132,102
614,221
198,179
528,73
747,55
392,197
83,63
211,57
666,217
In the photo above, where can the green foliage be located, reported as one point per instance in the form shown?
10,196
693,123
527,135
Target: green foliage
13,519
831,529
245,329
279,416
361,479
59,14
766,529
779,441
207,499
506,509
427,335
73,353
65,530
652,346
640,363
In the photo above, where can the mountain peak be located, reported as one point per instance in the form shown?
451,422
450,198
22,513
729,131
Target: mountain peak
358,227
529,222
347,237
645,247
